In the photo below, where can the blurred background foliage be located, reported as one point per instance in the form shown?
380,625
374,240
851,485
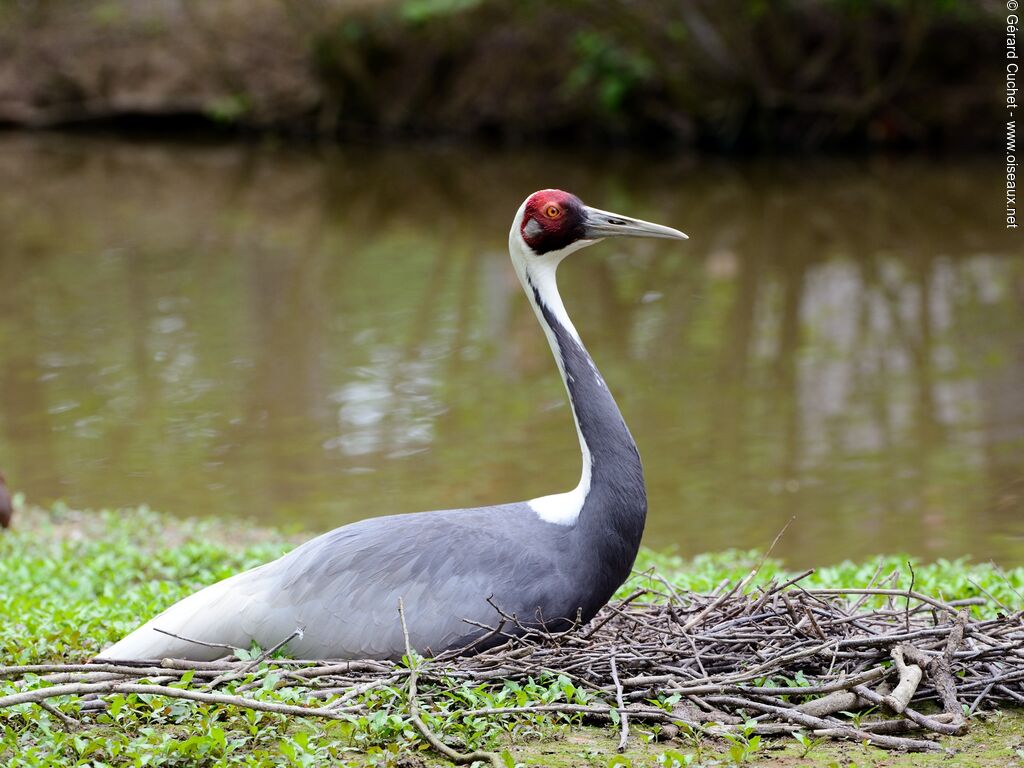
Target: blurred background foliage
714,74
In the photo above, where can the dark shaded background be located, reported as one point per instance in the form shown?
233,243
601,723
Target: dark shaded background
725,75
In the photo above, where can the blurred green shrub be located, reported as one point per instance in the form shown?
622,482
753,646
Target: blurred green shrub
721,73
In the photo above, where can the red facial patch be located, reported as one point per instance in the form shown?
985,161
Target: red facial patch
552,220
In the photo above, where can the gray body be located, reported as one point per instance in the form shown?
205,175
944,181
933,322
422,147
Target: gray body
455,571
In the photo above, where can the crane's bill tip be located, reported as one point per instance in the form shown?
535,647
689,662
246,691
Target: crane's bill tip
668,233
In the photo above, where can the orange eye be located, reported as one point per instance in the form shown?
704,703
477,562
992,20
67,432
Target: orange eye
552,212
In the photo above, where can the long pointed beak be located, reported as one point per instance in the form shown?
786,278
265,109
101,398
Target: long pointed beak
605,224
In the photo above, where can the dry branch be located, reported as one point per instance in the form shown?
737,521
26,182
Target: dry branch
790,656
414,713
623,717
910,678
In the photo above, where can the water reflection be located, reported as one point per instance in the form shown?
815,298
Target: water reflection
312,338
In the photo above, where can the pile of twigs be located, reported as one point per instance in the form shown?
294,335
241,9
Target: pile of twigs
783,656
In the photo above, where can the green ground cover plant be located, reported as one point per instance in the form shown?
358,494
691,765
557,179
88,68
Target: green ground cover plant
72,582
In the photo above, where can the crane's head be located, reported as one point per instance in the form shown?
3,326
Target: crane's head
555,222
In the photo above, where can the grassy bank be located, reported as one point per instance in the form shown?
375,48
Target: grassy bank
74,582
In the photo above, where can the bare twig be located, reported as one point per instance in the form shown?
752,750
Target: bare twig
910,678
890,592
194,641
838,730
414,712
248,666
623,717
913,578
923,720
69,722
740,586
42,694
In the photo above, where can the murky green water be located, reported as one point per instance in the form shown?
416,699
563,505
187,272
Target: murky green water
310,338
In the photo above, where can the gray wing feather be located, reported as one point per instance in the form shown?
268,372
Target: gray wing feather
342,589
443,566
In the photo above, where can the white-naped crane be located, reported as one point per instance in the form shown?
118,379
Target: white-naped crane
549,561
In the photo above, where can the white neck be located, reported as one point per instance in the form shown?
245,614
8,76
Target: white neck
538,272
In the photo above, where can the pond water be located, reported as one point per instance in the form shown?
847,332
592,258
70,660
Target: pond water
305,338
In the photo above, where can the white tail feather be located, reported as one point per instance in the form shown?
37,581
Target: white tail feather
214,615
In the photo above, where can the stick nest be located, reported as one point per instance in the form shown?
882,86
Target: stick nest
785,657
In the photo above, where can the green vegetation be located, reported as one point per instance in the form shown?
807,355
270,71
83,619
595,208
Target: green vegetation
74,582
724,74
951,580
